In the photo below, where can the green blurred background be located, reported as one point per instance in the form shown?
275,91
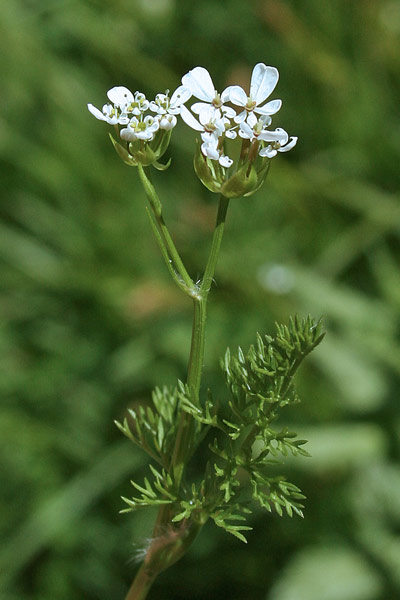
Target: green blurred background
90,321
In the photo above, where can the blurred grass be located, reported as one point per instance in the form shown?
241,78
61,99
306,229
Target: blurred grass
90,322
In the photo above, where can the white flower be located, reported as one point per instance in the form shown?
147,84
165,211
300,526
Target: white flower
124,105
209,125
199,82
210,149
126,102
163,105
167,122
279,142
108,113
213,126
138,105
140,130
263,82
254,132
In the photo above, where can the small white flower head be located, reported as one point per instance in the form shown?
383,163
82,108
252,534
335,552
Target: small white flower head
167,122
137,105
279,142
208,124
254,132
199,82
124,105
163,105
263,83
140,129
108,113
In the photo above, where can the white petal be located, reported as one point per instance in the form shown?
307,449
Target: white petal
290,145
154,127
150,120
144,135
225,96
201,107
168,122
252,119
229,111
240,117
155,108
270,108
265,120
210,151
128,134
123,119
209,138
120,95
246,131
279,135
268,152
180,96
190,120
225,161
284,136
237,95
231,134
220,127
96,112
199,82
263,82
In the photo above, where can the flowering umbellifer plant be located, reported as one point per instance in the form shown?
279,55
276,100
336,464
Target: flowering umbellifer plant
244,443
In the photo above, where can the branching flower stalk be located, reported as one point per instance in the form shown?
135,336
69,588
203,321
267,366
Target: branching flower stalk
259,383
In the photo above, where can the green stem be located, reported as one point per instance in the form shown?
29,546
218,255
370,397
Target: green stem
164,235
196,358
164,252
156,562
215,247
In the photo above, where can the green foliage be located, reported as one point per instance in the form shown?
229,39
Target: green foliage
262,381
278,492
90,323
161,492
260,384
224,517
154,429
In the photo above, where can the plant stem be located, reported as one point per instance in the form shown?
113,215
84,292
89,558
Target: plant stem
183,445
216,245
164,238
141,584
196,358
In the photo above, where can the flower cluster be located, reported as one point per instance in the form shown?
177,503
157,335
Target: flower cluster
129,110
147,135
146,127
